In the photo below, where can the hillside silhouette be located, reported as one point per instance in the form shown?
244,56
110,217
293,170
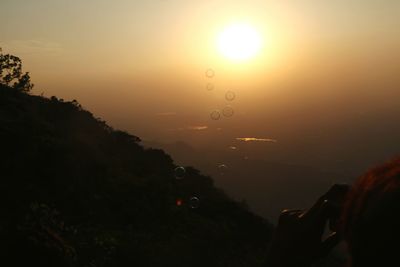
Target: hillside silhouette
76,192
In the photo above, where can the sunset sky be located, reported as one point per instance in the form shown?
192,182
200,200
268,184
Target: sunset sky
141,65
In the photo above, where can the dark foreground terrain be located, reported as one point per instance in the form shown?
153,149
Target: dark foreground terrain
76,192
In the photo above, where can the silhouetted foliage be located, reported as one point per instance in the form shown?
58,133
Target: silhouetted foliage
11,73
76,192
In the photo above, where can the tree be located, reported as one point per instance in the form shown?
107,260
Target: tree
11,73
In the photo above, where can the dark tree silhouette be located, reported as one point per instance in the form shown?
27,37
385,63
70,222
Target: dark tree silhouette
11,73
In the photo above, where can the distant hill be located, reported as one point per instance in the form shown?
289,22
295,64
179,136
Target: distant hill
76,192
267,186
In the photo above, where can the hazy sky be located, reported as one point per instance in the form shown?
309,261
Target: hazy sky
140,64
322,93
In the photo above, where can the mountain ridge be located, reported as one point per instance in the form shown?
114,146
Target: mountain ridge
77,192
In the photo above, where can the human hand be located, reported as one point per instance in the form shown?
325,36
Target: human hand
298,237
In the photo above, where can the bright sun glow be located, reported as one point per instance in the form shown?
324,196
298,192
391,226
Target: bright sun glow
239,42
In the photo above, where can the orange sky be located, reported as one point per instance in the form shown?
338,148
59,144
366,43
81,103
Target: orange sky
131,60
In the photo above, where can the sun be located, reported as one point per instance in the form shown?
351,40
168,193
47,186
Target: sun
239,42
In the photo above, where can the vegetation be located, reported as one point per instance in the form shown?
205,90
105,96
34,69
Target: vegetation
76,192
11,73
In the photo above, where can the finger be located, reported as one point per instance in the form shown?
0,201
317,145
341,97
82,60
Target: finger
318,218
337,194
289,215
337,191
294,212
317,210
329,243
